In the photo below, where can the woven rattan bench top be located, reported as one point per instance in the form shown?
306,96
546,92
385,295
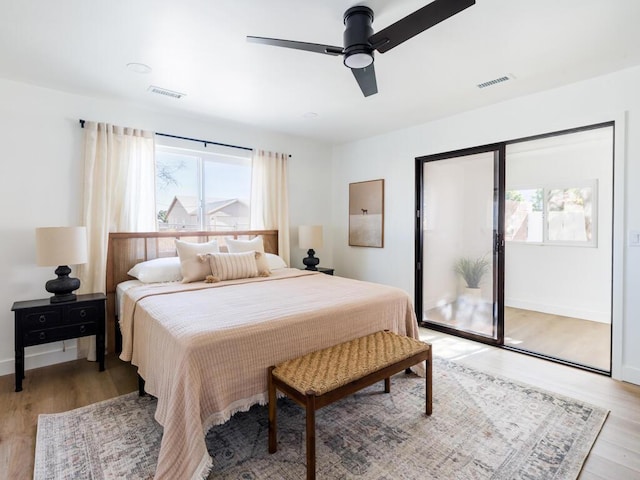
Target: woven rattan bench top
325,370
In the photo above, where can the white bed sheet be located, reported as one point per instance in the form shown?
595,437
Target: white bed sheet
121,288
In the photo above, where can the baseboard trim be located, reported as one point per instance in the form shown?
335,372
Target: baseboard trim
593,315
631,374
41,359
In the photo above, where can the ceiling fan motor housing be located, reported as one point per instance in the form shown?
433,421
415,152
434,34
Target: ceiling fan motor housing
358,52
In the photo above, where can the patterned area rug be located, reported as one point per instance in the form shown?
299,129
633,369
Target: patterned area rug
482,427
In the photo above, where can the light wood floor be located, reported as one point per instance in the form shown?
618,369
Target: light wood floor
559,336
57,388
551,335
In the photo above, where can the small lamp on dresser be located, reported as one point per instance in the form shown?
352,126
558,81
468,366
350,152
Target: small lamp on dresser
310,237
61,247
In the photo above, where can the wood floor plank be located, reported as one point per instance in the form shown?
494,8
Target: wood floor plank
616,454
602,468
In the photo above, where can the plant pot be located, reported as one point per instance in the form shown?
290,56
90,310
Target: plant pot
473,292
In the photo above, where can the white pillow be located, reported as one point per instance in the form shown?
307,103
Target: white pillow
275,261
232,266
166,269
255,244
193,268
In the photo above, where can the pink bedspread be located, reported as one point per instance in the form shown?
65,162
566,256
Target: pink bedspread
204,349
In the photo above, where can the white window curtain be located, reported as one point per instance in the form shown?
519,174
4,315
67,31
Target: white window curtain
269,197
119,195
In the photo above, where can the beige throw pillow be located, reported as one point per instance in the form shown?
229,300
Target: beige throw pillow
193,267
255,244
232,266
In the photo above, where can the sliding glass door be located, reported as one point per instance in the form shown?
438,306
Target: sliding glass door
459,243
559,246
514,244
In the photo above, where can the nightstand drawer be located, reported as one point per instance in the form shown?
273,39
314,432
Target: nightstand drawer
47,335
83,314
43,319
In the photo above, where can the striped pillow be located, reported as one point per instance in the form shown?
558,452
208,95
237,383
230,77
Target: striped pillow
232,266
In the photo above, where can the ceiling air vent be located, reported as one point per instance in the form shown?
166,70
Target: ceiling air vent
165,92
495,81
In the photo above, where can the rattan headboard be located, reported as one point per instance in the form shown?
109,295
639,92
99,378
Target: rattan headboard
129,248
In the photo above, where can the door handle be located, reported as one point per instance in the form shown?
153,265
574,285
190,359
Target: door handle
498,245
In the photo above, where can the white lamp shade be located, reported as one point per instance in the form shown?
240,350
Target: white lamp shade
61,246
310,236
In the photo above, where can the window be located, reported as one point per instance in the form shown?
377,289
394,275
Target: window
553,214
198,190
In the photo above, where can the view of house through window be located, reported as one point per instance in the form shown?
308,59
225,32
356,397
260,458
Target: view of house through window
202,191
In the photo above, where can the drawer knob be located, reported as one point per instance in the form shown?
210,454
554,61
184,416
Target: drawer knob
42,319
43,335
83,313
83,327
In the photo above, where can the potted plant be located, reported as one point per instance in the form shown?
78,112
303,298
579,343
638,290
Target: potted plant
472,270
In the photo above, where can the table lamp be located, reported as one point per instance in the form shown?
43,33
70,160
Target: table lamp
61,247
310,236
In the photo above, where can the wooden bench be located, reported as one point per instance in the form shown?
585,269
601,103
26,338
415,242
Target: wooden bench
322,377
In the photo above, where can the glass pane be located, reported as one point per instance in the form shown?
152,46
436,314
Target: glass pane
523,215
557,299
227,189
458,230
570,214
177,192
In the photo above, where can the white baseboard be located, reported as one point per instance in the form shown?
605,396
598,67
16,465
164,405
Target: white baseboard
631,374
41,359
593,315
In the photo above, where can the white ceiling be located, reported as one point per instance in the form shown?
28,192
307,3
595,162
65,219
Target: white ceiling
199,47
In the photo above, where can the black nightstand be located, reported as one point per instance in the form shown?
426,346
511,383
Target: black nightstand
40,321
328,271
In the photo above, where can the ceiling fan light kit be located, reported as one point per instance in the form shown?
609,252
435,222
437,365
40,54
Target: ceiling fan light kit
360,41
358,52
358,60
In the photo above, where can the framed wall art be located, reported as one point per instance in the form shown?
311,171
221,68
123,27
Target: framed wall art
366,214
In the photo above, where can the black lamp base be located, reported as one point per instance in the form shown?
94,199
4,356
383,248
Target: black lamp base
311,262
62,286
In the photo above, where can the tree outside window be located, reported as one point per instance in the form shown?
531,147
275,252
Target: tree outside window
552,215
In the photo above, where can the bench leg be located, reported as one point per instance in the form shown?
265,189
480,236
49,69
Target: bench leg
387,385
311,436
429,384
273,434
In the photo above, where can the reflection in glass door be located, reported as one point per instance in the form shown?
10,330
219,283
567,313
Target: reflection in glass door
459,243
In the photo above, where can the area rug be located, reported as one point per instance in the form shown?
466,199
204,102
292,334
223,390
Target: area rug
482,427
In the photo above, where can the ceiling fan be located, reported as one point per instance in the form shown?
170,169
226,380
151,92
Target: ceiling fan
360,41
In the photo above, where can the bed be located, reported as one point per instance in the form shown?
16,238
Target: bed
203,349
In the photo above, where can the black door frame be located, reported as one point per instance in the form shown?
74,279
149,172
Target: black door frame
498,150
498,250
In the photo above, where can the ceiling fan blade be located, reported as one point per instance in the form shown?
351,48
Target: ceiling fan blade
309,47
416,23
366,78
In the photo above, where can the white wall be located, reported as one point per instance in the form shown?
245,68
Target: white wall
40,181
391,156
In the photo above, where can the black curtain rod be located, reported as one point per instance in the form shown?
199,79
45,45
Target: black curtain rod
205,142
